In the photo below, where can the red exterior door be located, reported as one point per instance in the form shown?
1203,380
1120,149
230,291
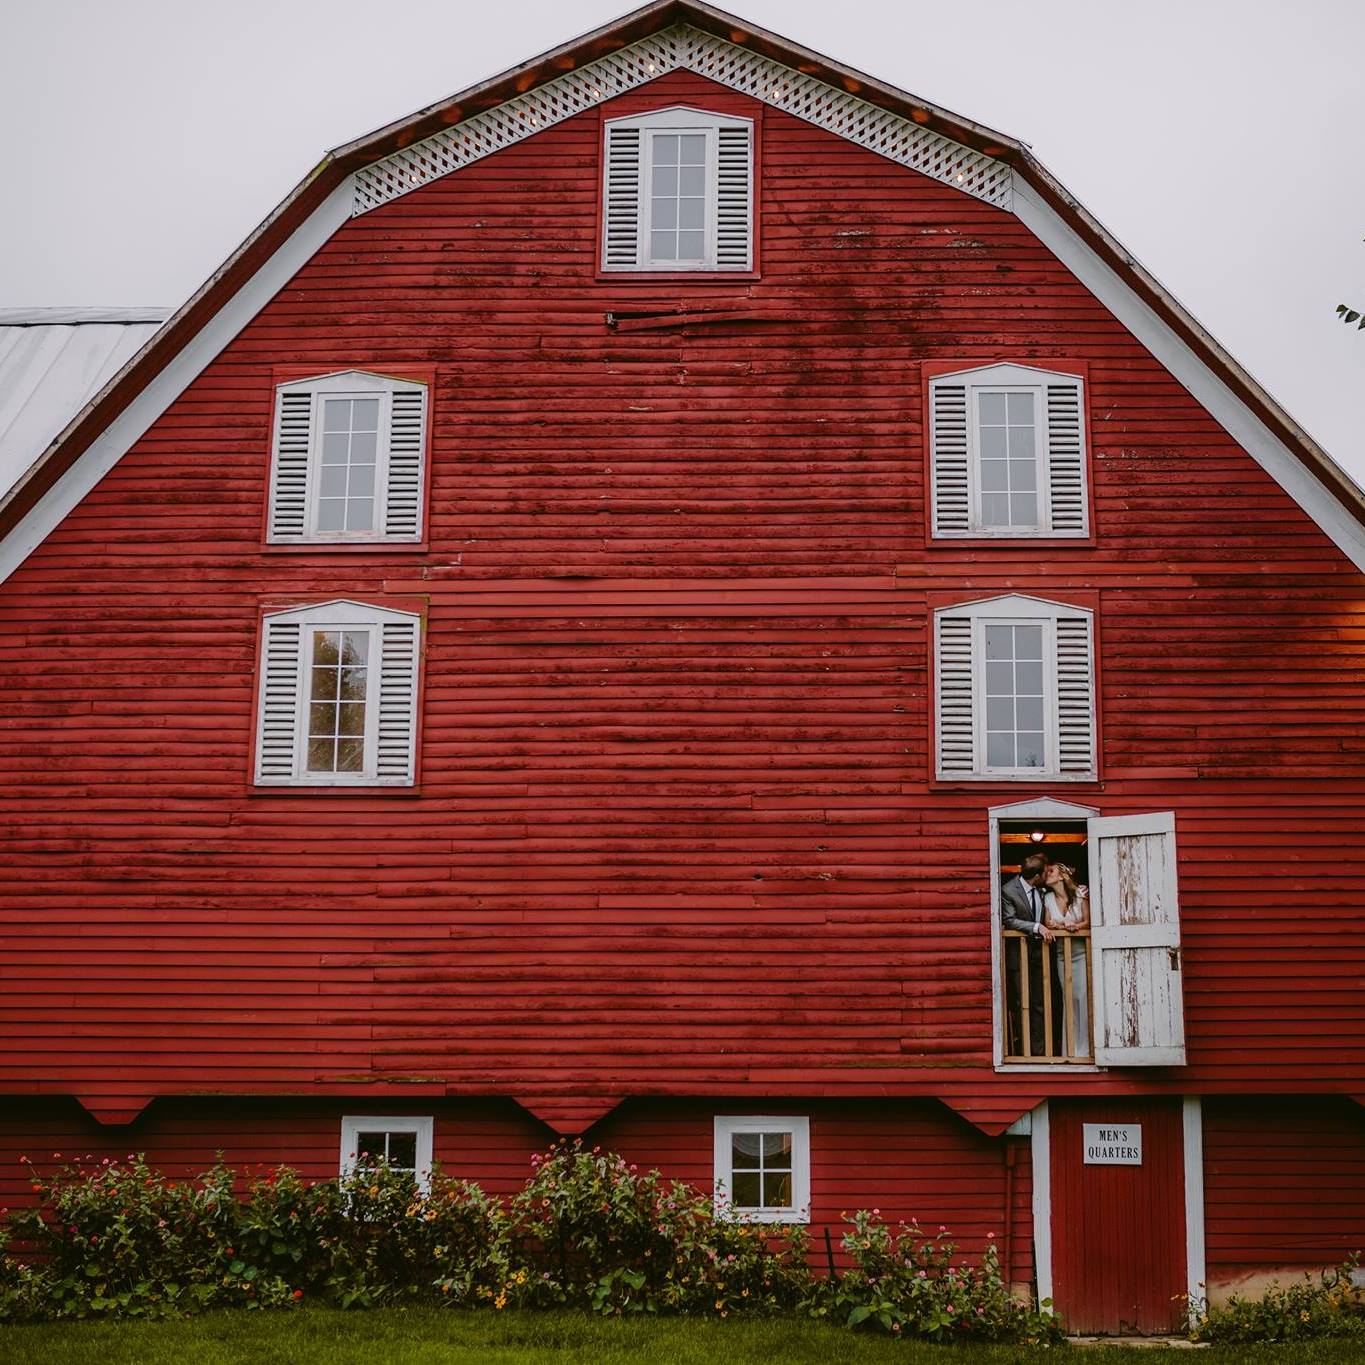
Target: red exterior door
1118,1229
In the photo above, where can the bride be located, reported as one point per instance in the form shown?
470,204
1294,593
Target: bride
1066,909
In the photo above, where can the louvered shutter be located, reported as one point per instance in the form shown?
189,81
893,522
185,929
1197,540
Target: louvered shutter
956,713
950,486
1135,942
289,465
277,737
407,441
621,198
1066,456
397,727
734,196
1075,696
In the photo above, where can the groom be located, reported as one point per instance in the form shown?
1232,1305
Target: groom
1021,909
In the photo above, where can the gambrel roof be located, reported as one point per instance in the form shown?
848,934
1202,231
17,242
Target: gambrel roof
665,36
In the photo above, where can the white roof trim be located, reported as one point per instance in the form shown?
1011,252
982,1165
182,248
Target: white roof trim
1324,505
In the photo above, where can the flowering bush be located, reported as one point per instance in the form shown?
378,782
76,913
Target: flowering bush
588,1229
905,1283
1326,1306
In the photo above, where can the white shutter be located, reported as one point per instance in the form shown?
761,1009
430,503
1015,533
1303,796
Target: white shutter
1066,456
621,198
950,487
277,735
955,726
734,196
289,465
1135,942
407,440
397,731
1075,697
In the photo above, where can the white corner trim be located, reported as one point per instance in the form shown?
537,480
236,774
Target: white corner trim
130,425
1041,1147
1192,1119
1224,406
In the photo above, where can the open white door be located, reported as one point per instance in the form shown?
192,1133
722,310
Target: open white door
1135,942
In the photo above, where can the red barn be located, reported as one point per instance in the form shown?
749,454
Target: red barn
581,625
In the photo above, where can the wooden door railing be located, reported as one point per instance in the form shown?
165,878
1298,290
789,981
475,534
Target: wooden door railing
1048,995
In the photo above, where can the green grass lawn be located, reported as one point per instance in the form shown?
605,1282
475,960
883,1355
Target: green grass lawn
319,1336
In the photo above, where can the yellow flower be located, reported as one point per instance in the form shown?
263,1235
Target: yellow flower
720,1303
500,1301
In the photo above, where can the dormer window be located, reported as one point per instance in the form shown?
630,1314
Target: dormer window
347,460
678,192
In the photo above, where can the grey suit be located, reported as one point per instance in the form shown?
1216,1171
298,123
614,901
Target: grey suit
1017,913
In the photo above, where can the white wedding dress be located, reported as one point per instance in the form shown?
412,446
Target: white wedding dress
1077,915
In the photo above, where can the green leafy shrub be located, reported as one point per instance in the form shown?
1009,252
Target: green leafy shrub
906,1283
1326,1305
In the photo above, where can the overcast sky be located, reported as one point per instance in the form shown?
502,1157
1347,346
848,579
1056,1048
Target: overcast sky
1220,140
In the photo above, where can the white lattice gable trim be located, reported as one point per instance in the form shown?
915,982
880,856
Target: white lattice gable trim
684,48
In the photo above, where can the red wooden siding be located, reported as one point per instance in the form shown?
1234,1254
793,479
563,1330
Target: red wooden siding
1118,1232
912,1161
675,832
1284,1184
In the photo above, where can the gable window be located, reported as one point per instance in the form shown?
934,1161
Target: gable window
762,1168
678,192
347,459
338,700
1014,690
402,1144
1007,453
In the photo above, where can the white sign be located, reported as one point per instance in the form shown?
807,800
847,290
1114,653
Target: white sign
1113,1144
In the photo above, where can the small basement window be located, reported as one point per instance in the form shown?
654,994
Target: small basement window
678,192
762,1168
403,1144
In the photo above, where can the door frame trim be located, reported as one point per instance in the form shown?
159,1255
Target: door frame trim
1041,1144
1192,1122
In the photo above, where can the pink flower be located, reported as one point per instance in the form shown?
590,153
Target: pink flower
876,1213
990,1236
56,1156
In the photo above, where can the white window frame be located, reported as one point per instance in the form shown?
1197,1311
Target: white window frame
683,119
1008,378
324,388
421,1126
357,617
726,1126
1015,609
1043,809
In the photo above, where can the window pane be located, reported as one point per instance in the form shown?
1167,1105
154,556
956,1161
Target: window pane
665,213
335,446
692,181
747,1192
777,1149
666,148
999,713
322,719
1000,749
999,680
369,1147
365,414
1021,443
1023,509
777,1191
336,414
351,718
350,756
403,1151
332,483
354,647
1023,476
1030,750
665,182
322,755
999,642
691,213
663,246
352,684
993,443
1028,642
324,684
744,1151
689,246
995,509
331,514
359,514
1028,678
1029,713
692,149
992,407
1020,408
994,476
325,646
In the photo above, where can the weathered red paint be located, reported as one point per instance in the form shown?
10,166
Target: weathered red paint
1118,1232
